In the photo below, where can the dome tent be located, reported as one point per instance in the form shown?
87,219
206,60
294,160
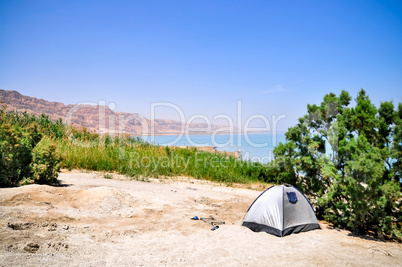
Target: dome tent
281,210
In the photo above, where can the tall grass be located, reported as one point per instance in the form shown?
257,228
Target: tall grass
137,159
83,149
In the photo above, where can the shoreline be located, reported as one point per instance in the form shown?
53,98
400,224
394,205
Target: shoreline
207,133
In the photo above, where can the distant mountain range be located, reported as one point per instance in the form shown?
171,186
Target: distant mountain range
99,118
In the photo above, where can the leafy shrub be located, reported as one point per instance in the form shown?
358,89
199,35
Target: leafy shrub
24,158
16,144
348,159
46,162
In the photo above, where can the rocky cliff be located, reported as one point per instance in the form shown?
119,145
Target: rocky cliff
98,118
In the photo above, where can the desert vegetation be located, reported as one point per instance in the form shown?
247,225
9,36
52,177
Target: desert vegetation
33,148
27,154
347,159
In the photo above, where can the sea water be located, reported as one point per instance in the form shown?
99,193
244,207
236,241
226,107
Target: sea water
257,147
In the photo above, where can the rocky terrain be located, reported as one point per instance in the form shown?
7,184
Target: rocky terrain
99,118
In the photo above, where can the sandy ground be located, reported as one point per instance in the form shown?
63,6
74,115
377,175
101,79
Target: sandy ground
93,221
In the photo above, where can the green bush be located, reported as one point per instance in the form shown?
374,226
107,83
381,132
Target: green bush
349,161
16,144
24,158
46,162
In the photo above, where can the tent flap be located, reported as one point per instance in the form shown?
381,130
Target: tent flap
257,227
300,228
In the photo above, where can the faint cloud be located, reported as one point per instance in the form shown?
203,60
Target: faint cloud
276,88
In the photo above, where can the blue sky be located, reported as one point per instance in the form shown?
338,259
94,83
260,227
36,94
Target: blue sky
203,56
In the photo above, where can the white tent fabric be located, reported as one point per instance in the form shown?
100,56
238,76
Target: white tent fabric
281,210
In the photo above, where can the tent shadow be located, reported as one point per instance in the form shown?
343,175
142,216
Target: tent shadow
366,237
333,228
61,185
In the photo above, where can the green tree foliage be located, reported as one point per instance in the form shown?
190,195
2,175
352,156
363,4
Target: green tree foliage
348,159
46,162
26,156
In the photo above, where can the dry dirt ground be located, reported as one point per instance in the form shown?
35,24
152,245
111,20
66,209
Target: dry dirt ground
93,221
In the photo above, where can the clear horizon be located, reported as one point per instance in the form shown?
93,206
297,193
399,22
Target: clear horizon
273,56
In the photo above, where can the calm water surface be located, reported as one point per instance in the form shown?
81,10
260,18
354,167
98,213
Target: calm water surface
254,147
